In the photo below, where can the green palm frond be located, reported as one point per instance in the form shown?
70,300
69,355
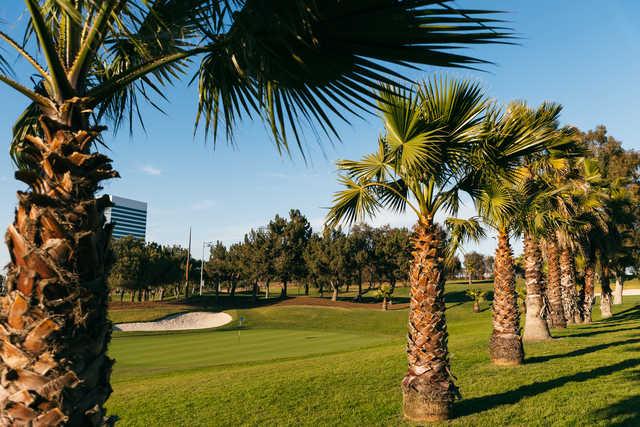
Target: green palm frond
287,63
300,61
498,206
461,231
412,141
375,166
352,204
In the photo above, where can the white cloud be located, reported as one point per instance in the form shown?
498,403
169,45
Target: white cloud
203,205
150,170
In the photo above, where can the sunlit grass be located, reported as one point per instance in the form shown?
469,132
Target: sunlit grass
337,366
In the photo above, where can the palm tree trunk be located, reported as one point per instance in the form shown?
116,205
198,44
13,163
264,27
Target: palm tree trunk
505,346
428,388
476,306
619,290
535,326
54,325
385,306
589,279
554,291
568,286
605,295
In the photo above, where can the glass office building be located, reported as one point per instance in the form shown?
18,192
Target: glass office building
129,217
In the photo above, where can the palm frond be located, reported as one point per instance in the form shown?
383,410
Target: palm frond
300,58
352,204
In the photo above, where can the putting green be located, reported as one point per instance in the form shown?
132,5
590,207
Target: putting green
147,355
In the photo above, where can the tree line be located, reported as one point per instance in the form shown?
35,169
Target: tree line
284,251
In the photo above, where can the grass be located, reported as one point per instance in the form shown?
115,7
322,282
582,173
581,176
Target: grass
338,366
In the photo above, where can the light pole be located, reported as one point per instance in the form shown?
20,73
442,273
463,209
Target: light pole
207,244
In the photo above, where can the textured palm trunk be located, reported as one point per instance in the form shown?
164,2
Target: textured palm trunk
568,286
385,305
605,296
535,326
54,329
505,346
589,281
428,388
619,290
554,292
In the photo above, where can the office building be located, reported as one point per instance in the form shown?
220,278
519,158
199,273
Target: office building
129,217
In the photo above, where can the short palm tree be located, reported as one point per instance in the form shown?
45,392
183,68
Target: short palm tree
282,62
508,139
421,163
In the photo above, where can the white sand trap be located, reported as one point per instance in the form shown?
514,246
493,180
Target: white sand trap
178,322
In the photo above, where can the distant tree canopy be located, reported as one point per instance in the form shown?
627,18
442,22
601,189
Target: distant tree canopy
140,267
287,250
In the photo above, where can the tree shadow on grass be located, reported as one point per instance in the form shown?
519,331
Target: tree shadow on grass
581,351
479,404
598,332
632,313
627,409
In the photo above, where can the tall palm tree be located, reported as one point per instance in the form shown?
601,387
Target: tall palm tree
613,246
286,63
421,163
557,317
536,219
508,139
538,214
589,199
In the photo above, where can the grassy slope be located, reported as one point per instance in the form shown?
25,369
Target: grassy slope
327,366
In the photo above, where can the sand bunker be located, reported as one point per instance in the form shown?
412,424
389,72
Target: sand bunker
178,322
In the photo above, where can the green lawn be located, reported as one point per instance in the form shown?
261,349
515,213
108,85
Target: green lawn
335,366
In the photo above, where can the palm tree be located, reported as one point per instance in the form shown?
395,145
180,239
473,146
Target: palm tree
508,139
421,163
589,201
613,246
286,63
538,214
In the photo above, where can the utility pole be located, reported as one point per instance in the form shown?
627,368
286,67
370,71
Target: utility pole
186,288
208,244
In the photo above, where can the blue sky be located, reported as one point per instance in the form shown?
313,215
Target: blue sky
582,54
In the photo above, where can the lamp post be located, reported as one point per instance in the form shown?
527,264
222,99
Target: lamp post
207,244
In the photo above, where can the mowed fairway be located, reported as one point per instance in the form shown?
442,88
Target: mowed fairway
334,366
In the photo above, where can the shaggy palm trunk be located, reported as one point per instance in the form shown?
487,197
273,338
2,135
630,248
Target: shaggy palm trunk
505,346
605,296
554,291
54,329
589,281
619,290
535,326
385,305
568,286
428,388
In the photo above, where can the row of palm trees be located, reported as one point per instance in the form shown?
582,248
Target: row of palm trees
527,177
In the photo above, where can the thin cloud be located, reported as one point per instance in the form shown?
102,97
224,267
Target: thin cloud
150,170
203,205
